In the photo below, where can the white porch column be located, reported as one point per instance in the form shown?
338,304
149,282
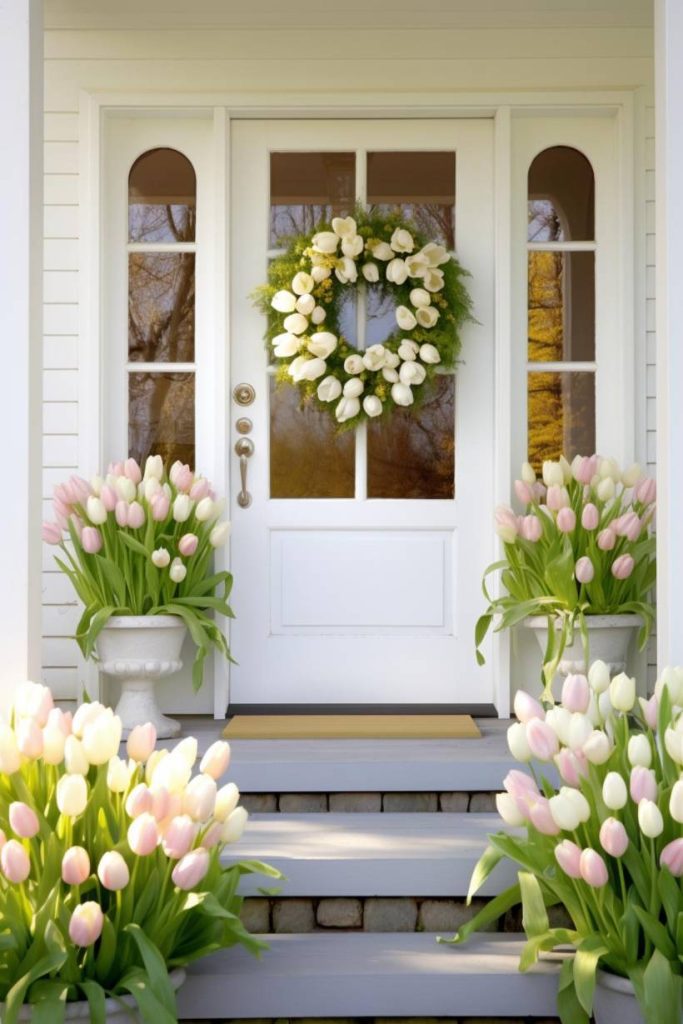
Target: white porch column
21,214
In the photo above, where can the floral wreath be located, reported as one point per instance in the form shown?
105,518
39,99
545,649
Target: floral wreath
307,286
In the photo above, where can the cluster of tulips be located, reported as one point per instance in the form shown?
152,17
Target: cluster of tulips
141,542
607,842
583,545
109,864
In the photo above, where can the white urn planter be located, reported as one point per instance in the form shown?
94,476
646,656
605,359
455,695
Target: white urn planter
137,650
122,1010
615,1001
609,638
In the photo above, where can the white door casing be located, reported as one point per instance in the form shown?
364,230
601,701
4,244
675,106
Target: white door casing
362,601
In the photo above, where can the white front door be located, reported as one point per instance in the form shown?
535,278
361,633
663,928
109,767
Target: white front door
358,562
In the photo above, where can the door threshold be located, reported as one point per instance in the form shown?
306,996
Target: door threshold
475,710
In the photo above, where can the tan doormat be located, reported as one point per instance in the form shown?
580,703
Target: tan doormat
351,727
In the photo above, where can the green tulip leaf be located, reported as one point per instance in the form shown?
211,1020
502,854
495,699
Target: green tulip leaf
586,963
568,1005
156,969
152,1010
94,993
662,991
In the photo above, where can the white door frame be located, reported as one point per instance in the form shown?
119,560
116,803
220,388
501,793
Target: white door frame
94,106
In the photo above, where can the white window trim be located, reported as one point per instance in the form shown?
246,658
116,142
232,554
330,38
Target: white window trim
510,374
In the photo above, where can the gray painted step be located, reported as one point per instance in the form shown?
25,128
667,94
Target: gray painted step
364,975
370,854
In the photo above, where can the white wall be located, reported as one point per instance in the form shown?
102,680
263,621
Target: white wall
430,66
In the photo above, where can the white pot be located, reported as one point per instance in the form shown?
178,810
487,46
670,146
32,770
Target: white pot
609,637
137,650
114,1012
615,1001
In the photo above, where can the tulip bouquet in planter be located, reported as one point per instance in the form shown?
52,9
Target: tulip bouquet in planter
582,547
142,544
110,869
607,845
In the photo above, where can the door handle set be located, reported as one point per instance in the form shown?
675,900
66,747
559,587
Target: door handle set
244,394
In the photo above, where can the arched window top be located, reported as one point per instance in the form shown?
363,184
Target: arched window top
162,191
561,196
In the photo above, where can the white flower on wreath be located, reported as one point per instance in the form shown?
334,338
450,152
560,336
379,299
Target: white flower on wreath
407,350
429,354
372,405
401,394
345,227
325,242
294,368
404,318
389,374
417,264
402,240
427,316
322,344
329,389
382,251
346,270
286,345
283,302
295,323
433,280
397,271
420,297
305,304
352,246
354,363
318,315
353,388
391,359
370,272
302,283
311,369
412,373
374,356
347,409
436,254
320,273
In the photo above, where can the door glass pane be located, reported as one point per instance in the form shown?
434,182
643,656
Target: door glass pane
161,307
161,416
561,197
412,455
309,458
561,415
308,187
421,185
561,306
161,198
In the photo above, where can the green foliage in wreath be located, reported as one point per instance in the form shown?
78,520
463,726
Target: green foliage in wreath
307,286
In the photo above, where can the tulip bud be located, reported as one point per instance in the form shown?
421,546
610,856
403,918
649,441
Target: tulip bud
199,798
187,545
102,737
91,539
572,766
53,744
15,862
676,801
590,517
190,869
575,693
597,747
671,857
584,570
143,835
518,743
508,810
177,572
29,738
564,813
622,567
23,820
85,714
113,872
75,761
85,926
52,533
139,801
182,508
33,700
559,719
553,474
650,709
541,816
161,558
614,792
643,784
216,760
72,795
118,775
622,692
607,539
75,866
141,742
97,513
613,837
650,819
219,535
593,869
568,856
227,798
234,825
640,751
580,730
598,676
527,707
541,739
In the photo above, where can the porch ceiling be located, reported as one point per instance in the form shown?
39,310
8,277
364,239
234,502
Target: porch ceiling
366,14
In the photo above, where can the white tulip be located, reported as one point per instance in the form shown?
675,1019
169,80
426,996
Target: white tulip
622,692
389,374
322,344
205,510
673,741
125,489
345,227
96,484
408,350
433,280
75,761
295,368
566,469
318,315
614,791
346,270
382,251
672,678
650,819
606,489
412,373
528,473
329,389
54,741
559,719
597,747
149,488
563,811
182,507
347,409
313,368
84,715
325,242
639,751
435,254
373,357
10,758
320,273
391,359
418,266
227,799
171,773
632,475
235,825
199,799
352,246
118,775
72,795
429,354
397,272
161,558
370,272
517,742
102,738
302,283
353,388
401,394
372,405
552,474
305,304
508,810
605,706
187,750
580,728
286,345
219,535
354,363
154,467
427,316
295,323
402,240
676,802
609,469
579,802
283,302
178,571
598,676
97,513
420,297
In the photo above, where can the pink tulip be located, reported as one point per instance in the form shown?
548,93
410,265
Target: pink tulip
593,869
613,837
585,469
557,497
15,862
642,784
108,497
116,469
136,515
23,820
583,570
651,710
524,493
75,866
607,538
566,520
139,801
113,872
85,926
576,693
132,471
541,739
161,803
568,856
216,759
530,528
80,489
181,476
143,835
572,766
121,513
141,742
190,870
30,739
622,567
629,526
160,506
212,836
590,517
671,857
527,707
62,511
91,539
187,545
522,789
3,839
646,490
200,489
179,836
541,817
506,519
52,533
